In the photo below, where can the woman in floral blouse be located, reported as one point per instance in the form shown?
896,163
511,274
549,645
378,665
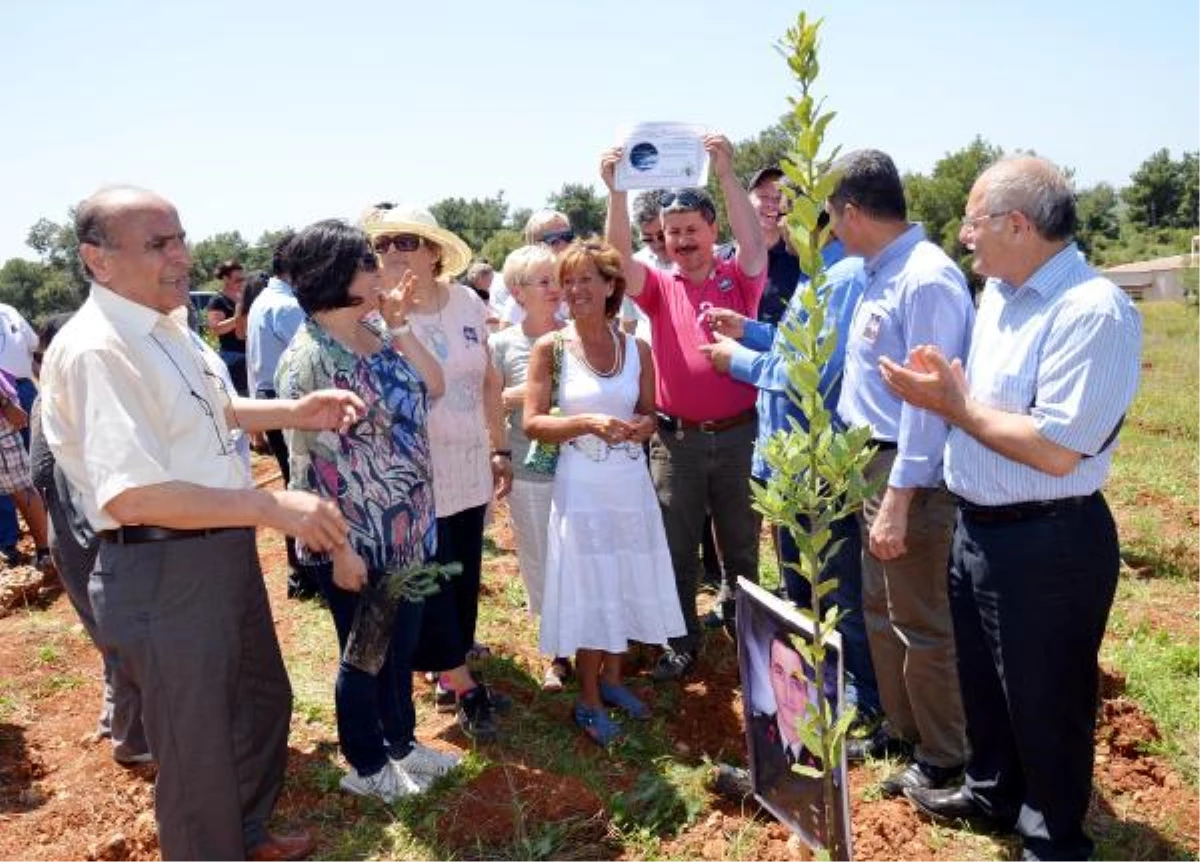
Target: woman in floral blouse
357,337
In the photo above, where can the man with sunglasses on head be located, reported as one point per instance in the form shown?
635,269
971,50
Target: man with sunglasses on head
137,412
700,456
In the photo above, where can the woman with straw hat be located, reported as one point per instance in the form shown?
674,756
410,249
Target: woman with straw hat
467,438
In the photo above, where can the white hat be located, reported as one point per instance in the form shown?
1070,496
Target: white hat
383,219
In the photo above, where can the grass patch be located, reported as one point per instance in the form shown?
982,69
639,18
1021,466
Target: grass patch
1162,672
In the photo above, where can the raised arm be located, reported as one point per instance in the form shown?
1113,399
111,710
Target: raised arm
616,224
751,247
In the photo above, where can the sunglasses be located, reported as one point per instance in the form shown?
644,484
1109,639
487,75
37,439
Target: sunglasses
401,242
557,236
686,199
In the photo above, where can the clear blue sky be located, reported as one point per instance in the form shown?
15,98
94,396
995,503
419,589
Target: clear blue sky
255,115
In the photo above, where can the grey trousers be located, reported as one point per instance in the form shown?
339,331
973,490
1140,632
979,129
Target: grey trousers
695,474
906,607
189,620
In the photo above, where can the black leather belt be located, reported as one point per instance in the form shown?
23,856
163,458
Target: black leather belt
884,445
709,426
1014,512
140,534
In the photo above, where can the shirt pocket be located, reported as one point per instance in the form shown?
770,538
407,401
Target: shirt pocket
1012,393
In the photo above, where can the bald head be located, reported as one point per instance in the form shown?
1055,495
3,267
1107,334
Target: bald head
96,214
130,241
1035,188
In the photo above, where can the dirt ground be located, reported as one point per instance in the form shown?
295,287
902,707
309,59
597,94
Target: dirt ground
63,797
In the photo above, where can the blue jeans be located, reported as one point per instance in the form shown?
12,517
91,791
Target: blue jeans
375,714
846,567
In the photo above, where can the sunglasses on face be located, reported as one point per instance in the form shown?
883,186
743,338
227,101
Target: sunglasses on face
557,236
401,242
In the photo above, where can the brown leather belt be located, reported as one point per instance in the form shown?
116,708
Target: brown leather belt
1015,512
709,426
141,534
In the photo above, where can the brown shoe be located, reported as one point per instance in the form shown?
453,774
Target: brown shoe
278,847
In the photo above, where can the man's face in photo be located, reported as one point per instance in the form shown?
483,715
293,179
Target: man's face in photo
790,686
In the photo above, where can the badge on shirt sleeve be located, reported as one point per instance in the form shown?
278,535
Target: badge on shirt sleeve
470,335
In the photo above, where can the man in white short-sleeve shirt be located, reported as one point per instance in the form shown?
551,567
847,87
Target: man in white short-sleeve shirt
138,413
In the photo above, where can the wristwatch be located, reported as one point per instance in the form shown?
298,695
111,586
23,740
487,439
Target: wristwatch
503,453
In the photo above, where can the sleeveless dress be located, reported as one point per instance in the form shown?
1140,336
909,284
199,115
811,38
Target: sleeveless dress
609,578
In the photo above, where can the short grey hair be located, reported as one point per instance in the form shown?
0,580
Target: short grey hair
646,206
1035,188
521,260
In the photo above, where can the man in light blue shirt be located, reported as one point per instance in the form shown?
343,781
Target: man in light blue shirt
273,320
1053,367
914,294
759,357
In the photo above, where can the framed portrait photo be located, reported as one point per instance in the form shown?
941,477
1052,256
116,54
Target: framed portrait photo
779,689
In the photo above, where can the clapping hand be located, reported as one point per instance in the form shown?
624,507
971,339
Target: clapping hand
928,381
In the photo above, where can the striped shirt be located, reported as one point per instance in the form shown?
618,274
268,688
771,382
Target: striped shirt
1064,348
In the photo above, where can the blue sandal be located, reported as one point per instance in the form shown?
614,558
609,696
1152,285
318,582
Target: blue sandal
601,729
625,700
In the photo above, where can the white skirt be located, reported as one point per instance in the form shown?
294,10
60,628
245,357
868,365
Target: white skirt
609,578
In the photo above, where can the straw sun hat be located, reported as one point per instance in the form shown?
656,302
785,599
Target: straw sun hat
384,219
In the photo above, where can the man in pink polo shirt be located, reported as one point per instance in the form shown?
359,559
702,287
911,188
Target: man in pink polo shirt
700,457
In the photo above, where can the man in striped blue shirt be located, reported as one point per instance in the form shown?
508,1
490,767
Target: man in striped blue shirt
1053,366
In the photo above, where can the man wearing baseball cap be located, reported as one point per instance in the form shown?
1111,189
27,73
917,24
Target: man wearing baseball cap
783,267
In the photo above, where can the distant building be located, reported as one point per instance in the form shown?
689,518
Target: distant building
1161,278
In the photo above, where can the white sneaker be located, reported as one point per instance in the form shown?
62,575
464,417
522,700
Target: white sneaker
388,784
425,765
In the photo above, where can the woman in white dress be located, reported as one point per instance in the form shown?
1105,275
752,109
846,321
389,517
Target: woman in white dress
608,571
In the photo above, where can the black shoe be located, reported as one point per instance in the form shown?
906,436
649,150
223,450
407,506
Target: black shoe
444,699
672,666
476,716
920,776
732,782
954,805
877,746
500,701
